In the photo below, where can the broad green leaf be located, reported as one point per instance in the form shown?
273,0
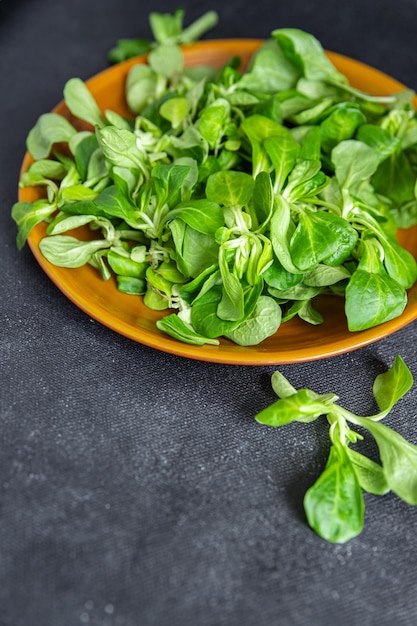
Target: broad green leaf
127,49
154,300
305,311
231,305
269,72
125,266
307,54
131,285
156,280
27,215
177,328
66,251
76,193
212,122
115,203
83,153
281,386
257,128
399,459
166,60
324,275
262,197
203,215
300,291
399,263
141,87
278,277
169,271
392,385
280,229
191,144
204,317
50,129
372,297
48,168
384,143
319,235
31,179
175,110
370,475
303,406
194,251
341,124
169,181
306,178
120,147
354,162
283,151
166,26
311,145
63,223
117,120
81,103
230,188
263,322
334,504
395,178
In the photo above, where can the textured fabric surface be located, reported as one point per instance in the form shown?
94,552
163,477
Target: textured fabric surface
136,487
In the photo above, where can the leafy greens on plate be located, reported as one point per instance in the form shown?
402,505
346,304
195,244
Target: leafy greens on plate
232,198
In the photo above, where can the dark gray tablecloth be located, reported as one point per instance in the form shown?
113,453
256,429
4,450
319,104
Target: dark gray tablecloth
136,487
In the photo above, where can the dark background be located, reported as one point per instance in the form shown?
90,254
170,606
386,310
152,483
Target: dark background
136,487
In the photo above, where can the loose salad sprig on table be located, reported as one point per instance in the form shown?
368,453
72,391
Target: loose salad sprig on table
232,199
334,505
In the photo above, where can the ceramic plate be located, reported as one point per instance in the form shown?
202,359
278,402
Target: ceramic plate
295,341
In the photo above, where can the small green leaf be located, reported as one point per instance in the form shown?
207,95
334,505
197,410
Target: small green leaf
307,54
203,215
141,87
50,129
399,459
354,162
392,385
370,475
66,251
230,188
166,60
81,103
281,385
27,215
372,296
303,406
63,223
125,266
213,120
131,285
263,322
177,328
175,110
334,504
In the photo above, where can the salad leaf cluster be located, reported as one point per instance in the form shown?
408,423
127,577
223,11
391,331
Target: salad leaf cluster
334,505
230,199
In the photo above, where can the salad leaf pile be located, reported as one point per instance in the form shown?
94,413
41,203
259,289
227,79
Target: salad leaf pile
231,199
334,505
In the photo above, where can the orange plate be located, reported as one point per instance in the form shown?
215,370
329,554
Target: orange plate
295,341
